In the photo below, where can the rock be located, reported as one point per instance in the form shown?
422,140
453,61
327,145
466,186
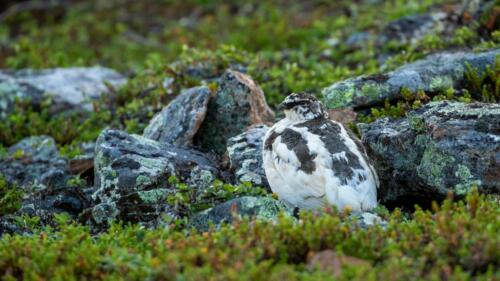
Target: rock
131,176
238,104
358,40
442,147
43,205
263,208
180,120
69,88
36,166
345,116
9,225
35,162
367,219
245,156
411,29
434,74
84,163
331,262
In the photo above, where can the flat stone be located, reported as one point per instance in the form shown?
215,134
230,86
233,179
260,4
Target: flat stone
434,74
178,122
69,88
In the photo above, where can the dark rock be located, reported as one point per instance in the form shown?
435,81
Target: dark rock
9,225
69,88
45,203
433,74
37,167
263,208
180,120
35,162
238,104
245,156
131,176
442,147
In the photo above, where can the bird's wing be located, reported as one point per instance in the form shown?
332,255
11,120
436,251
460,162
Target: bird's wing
295,163
340,155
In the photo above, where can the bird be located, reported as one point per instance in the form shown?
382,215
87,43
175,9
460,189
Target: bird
312,162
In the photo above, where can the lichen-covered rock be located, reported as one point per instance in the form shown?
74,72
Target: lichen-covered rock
36,166
245,156
411,29
69,88
442,147
367,219
434,74
180,120
44,204
263,208
238,104
35,163
131,176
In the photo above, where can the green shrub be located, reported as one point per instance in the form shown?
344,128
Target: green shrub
10,197
454,241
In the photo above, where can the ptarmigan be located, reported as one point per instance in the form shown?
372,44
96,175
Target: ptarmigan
311,161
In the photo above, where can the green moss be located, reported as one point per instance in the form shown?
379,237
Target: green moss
442,83
190,200
455,239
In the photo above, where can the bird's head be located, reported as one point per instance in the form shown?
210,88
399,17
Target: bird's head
302,106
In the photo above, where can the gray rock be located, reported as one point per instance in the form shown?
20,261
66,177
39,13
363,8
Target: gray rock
433,74
245,156
35,163
442,147
263,208
411,29
36,166
131,176
366,220
358,40
180,120
238,104
69,88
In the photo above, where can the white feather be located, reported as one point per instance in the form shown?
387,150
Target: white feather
322,186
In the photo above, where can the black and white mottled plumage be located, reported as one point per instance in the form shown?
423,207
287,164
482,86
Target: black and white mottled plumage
312,162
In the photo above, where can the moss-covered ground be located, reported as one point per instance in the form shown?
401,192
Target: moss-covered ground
453,241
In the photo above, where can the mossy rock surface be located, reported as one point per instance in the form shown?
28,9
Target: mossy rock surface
132,176
434,74
263,208
442,147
